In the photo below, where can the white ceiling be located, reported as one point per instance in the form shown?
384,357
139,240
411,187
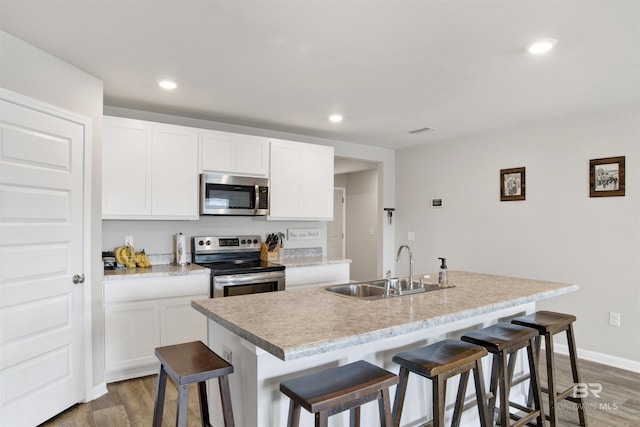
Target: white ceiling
388,66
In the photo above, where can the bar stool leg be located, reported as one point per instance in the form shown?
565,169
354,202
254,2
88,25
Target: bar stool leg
225,398
493,387
183,399
294,414
204,406
401,390
158,407
384,407
535,381
354,417
439,391
462,391
573,358
481,398
551,381
322,419
504,386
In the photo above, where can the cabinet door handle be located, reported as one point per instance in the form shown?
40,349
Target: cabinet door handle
78,279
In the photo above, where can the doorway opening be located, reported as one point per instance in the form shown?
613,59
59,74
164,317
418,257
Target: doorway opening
361,218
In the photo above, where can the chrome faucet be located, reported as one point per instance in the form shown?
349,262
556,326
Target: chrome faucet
410,285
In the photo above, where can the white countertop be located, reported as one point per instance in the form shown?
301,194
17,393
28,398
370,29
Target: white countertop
154,271
299,323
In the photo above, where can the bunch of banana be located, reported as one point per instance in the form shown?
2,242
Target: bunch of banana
142,260
125,255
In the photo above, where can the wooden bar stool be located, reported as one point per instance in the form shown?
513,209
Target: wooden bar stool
439,362
190,363
503,340
549,323
335,390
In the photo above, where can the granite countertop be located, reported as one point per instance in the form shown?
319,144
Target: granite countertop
308,261
299,323
155,271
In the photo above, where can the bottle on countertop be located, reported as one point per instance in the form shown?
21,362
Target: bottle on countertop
442,276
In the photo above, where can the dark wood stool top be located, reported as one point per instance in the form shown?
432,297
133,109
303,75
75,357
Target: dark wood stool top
334,387
546,321
442,356
192,362
501,336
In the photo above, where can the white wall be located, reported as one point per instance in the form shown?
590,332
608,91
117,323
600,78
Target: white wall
36,74
558,233
362,224
156,237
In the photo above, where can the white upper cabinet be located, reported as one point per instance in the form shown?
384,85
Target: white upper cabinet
149,170
301,181
233,153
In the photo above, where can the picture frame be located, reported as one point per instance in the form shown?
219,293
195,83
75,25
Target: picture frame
606,177
512,184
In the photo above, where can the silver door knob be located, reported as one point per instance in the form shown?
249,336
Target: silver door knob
78,278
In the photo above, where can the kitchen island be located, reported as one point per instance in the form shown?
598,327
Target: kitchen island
275,336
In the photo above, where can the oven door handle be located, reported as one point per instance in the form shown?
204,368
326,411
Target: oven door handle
237,279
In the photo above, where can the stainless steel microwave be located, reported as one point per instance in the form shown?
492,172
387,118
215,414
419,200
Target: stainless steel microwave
233,195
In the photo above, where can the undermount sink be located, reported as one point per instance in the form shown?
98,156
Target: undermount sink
362,291
374,289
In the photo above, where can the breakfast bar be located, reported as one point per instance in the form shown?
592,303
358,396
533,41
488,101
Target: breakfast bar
276,336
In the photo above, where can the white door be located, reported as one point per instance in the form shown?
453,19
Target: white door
41,249
335,228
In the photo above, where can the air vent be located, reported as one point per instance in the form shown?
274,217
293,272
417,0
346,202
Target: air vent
424,129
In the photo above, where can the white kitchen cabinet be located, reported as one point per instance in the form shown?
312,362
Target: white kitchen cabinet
317,275
150,170
131,333
301,185
225,152
144,313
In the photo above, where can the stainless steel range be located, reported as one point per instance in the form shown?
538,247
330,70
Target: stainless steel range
235,264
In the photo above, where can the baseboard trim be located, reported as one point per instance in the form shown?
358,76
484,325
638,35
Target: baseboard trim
605,359
99,390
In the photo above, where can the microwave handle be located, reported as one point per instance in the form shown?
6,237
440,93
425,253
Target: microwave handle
257,199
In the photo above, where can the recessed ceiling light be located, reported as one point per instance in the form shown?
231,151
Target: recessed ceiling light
167,84
541,46
336,118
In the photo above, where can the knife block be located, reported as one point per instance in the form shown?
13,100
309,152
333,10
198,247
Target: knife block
265,255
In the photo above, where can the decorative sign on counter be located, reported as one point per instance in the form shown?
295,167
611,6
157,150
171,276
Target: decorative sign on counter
304,234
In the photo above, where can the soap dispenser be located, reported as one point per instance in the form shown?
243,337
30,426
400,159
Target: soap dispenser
442,276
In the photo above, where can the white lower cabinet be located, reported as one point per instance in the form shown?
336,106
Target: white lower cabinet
142,314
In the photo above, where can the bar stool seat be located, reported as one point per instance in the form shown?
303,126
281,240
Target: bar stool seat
549,323
339,389
503,340
439,362
188,363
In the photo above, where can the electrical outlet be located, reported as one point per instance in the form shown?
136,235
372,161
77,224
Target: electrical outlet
226,354
614,318
128,240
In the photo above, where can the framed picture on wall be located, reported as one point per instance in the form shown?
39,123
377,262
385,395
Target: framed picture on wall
606,177
512,184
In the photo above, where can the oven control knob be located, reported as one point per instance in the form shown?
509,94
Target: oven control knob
201,243
255,241
243,241
208,243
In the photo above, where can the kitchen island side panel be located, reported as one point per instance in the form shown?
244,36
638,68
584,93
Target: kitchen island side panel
257,400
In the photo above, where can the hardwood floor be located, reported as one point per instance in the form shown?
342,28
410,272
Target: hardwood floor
130,403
